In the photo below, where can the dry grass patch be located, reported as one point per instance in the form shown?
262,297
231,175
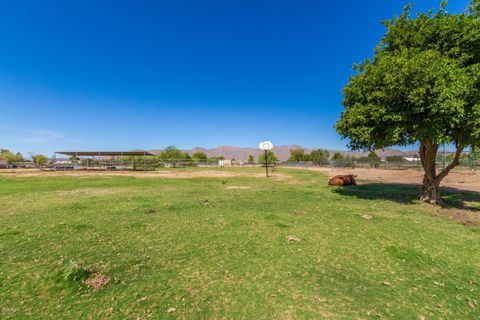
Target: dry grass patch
238,187
89,192
165,173
466,217
97,281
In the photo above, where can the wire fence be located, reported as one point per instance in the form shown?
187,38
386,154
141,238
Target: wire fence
469,161
138,164
381,165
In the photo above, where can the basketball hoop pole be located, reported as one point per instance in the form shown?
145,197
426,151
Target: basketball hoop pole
266,162
266,146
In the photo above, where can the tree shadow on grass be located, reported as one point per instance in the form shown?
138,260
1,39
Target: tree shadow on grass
461,199
409,194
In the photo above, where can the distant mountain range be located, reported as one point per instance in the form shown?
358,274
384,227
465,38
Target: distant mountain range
282,152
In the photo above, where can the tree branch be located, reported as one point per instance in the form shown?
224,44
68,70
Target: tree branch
452,165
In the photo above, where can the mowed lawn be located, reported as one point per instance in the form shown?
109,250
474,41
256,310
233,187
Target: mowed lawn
216,248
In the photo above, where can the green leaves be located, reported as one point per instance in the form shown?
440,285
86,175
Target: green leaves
298,155
423,83
39,160
272,158
474,7
172,153
9,156
200,156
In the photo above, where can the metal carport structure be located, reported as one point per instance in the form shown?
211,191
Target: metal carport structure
101,155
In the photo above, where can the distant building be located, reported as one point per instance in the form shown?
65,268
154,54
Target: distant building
3,164
223,163
411,159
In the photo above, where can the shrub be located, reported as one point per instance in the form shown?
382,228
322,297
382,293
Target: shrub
74,272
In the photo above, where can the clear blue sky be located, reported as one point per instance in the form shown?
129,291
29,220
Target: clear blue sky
121,75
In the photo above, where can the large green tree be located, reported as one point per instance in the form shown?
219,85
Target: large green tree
421,87
298,155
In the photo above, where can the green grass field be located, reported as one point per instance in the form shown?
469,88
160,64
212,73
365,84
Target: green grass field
213,250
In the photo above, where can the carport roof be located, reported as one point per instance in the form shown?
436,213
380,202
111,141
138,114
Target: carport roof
106,153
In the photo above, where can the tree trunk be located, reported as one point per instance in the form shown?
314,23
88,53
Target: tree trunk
431,192
431,180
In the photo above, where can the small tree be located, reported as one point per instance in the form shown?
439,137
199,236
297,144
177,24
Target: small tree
7,156
10,157
18,157
73,159
374,159
251,158
349,161
173,153
319,156
200,156
337,156
395,158
272,158
39,160
420,88
298,155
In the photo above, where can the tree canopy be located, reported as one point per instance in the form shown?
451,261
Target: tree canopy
272,158
395,158
316,156
337,156
200,156
319,155
421,87
298,155
9,156
173,153
39,160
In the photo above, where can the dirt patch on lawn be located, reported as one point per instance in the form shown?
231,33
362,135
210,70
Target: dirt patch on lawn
466,217
88,192
5,211
169,173
238,187
97,281
217,174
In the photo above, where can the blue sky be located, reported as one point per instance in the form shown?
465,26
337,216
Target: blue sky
122,75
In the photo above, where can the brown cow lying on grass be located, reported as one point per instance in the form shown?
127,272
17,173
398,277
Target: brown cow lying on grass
346,180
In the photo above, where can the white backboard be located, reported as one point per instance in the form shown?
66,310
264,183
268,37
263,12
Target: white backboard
266,145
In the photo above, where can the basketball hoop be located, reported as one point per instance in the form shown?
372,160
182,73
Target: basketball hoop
266,146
